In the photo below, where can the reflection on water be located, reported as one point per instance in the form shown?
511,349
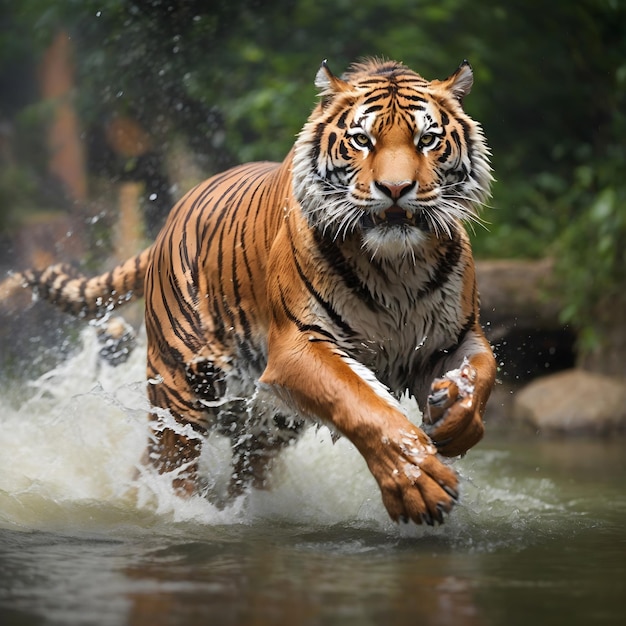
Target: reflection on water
539,535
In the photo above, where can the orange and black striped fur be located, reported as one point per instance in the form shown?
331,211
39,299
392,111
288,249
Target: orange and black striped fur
323,287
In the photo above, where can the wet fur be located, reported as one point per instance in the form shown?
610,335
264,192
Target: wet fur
323,288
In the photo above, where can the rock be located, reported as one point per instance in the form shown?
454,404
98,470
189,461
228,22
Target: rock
517,293
520,315
573,401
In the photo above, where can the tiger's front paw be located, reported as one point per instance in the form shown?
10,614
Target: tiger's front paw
451,418
415,484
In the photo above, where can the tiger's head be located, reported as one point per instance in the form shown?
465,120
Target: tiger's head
390,158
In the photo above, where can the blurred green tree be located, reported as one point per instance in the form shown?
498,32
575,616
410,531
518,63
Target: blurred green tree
236,80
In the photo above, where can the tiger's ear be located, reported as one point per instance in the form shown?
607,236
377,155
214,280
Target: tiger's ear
460,83
328,84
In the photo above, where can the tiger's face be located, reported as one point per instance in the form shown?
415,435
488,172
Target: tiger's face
390,158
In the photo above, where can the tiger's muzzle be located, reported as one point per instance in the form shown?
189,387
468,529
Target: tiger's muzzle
396,216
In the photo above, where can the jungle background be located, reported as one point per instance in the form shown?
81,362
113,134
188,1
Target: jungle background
111,109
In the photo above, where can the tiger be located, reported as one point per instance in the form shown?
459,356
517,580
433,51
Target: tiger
322,289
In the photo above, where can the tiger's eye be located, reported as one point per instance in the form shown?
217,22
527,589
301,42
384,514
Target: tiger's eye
426,140
361,140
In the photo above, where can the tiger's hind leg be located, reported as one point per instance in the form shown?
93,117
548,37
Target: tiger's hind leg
176,450
172,452
197,398
179,420
255,445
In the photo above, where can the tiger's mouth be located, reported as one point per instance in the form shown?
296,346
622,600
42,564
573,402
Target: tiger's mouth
396,216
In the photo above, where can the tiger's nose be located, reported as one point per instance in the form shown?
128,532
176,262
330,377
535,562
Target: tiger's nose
395,189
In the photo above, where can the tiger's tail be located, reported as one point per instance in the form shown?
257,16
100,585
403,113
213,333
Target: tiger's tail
91,298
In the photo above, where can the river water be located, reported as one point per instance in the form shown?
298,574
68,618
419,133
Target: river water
538,538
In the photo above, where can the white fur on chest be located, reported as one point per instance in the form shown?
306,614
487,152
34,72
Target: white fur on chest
409,323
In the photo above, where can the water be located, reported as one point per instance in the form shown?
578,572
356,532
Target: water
538,537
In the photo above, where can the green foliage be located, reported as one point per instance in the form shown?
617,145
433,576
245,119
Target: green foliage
236,79
591,251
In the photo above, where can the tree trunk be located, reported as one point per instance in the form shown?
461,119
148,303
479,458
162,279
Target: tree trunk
67,154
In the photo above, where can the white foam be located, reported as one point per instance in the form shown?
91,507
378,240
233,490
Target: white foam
70,455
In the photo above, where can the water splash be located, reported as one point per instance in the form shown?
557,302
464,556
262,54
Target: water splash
71,454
